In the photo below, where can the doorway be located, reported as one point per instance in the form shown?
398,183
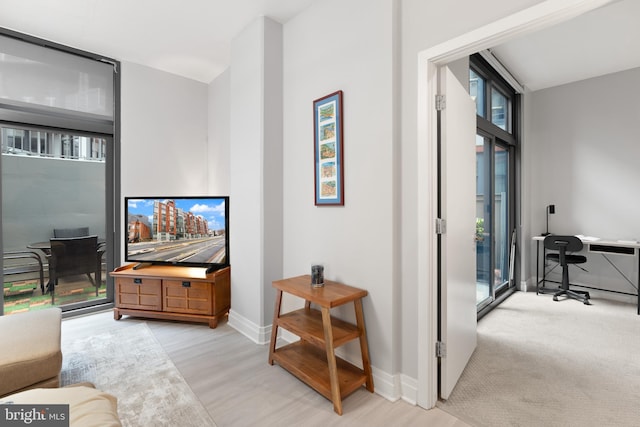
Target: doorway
523,22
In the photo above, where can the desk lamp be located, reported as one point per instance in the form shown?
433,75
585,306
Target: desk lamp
551,209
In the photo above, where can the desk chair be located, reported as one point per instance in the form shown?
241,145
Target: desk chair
562,245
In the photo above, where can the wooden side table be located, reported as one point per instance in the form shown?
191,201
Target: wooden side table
312,359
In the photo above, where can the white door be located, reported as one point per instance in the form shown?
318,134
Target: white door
457,258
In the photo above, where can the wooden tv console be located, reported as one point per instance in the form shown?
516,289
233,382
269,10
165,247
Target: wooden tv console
172,293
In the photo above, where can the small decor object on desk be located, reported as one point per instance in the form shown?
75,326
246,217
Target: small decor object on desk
317,276
551,209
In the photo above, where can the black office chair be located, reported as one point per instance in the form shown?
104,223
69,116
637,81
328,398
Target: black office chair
563,245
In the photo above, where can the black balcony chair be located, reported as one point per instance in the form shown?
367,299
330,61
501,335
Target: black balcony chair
71,232
74,256
23,262
562,246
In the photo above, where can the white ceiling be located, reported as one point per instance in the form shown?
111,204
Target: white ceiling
599,42
192,38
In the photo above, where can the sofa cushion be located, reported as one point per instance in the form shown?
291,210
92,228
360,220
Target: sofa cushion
88,407
31,354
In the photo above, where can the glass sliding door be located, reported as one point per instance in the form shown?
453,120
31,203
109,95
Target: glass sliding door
483,221
501,235
496,142
53,185
493,204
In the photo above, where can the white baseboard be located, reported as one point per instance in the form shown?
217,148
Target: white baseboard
385,384
256,333
409,389
527,285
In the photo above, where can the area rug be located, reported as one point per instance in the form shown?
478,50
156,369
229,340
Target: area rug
132,365
544,363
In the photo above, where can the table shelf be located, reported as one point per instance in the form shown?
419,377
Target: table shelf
307,324
309,364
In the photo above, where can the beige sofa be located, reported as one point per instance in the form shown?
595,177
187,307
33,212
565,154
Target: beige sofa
30,364
31,356
88,407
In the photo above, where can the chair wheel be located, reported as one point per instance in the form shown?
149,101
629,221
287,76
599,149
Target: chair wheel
587,302
555,298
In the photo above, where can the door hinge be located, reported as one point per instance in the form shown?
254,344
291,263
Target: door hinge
441,349
441,226
441,102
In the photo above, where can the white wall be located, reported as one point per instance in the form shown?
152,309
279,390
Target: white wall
273,165
338,45
164,133
584,159
255,175
219,117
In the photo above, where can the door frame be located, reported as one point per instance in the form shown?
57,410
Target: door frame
527,21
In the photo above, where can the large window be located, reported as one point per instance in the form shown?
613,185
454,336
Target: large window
58,168
496,144
494,97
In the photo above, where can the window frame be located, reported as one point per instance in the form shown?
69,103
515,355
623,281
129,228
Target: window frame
23,116
493,80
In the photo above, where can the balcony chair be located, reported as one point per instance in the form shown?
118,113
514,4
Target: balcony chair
74,256
71,232
23,262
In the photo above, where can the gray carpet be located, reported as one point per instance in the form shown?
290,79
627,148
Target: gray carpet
545,363
130,364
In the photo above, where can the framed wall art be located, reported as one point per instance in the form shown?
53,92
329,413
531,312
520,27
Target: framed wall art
328,146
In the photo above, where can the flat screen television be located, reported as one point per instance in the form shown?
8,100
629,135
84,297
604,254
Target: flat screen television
185,231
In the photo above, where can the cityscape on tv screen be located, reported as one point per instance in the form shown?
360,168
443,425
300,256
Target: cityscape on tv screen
177,230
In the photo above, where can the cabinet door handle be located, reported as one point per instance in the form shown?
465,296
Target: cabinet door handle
137,281
186,284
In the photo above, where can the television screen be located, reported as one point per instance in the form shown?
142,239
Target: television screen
189,231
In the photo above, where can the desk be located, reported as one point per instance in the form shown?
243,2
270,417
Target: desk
600,246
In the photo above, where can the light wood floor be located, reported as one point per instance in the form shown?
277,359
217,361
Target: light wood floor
233,380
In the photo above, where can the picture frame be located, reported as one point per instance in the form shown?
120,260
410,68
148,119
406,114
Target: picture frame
328,150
